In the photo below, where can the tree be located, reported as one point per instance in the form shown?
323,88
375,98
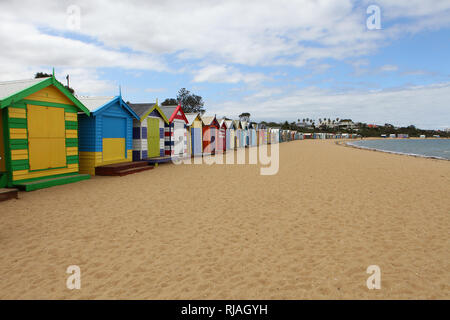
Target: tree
245,116
39,75
170,102
190,102
42,75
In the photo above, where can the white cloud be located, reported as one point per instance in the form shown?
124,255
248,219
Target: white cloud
225,74
86,82
388,68
232,32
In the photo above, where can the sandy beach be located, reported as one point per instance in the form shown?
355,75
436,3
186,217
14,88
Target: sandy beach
226,232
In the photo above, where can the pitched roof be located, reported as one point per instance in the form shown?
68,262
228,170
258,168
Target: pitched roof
142,108
19,89
222,121
191,117
168,110
237,123
172,111
230,123
9,88
95,103
208,120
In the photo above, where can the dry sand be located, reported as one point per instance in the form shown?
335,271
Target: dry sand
226,232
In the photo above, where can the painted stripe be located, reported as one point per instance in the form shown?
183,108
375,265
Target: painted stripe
72,151
71,142
72,160
24,174
18,133
18,144
20,165
71,116
71,134
19,154
71,125
17,113
17,123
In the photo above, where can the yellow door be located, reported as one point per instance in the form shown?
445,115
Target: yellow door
46,137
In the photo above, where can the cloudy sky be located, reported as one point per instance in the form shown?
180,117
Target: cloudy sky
278,60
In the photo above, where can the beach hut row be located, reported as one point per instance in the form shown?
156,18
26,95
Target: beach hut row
48,136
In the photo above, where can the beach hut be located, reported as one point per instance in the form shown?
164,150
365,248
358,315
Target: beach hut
231,134
194,132
39,134
282,136
106,137
253,137
221,137
275,135
245,134
293,133
210,128
175,132
268,137
148,131
238,136
261,134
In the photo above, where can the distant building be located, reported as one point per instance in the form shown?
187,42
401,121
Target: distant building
346,124
306,125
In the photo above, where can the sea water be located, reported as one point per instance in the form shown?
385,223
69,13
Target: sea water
434,148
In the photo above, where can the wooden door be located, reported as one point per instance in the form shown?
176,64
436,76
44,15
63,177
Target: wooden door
153,138
46,137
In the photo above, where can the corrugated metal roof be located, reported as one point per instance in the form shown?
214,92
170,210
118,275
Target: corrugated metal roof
94,103
191,117
141,108
8,88
168,110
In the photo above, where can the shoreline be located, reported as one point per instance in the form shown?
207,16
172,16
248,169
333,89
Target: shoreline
350,145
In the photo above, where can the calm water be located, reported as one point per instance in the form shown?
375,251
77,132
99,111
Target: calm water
439,148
